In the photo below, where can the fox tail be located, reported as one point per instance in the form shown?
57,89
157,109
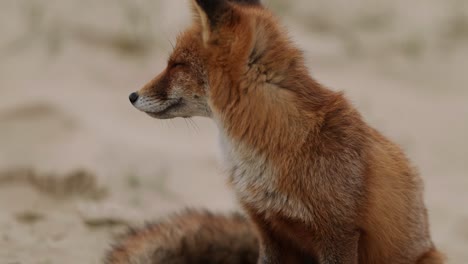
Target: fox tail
188,237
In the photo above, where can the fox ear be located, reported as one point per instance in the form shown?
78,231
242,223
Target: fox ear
211,13
248,2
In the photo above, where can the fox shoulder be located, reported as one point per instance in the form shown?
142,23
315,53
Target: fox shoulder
188,237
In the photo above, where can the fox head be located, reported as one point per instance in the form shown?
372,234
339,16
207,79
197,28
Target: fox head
230,42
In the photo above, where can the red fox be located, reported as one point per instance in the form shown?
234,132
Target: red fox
317,183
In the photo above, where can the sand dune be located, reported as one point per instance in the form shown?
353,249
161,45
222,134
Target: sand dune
78,163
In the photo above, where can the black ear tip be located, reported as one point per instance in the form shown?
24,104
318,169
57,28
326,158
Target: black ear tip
247,2
213,8
210,4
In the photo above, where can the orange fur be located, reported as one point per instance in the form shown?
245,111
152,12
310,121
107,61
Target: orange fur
318,183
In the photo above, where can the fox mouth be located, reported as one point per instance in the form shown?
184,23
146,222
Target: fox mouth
168,106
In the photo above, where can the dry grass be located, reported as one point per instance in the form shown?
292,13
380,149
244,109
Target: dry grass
454,32
136,37
382,31
75,183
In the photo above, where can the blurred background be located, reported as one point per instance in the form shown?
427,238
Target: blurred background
78,163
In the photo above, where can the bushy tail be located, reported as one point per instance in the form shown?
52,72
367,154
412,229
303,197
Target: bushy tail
188,237
432,257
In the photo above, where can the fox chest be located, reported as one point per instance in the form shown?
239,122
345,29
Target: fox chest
247,171
254,180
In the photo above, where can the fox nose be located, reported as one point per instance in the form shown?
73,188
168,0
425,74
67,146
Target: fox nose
133,97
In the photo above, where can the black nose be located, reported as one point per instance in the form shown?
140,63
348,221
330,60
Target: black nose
133,97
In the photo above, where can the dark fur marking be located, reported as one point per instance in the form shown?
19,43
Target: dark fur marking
247,2
214,9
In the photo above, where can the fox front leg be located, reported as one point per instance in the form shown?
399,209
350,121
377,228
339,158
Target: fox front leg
275,249
340,250
274,253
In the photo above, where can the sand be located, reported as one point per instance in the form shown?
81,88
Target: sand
78,163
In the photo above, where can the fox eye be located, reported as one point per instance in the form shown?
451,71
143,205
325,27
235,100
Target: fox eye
175,65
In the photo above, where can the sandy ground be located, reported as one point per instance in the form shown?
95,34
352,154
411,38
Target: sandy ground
78,163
